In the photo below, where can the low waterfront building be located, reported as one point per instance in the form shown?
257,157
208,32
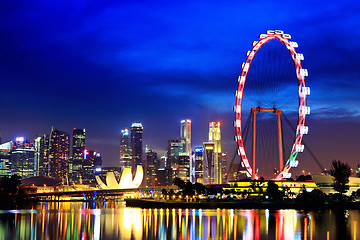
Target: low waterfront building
245,187
325,183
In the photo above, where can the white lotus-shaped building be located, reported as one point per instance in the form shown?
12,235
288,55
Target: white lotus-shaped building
126,180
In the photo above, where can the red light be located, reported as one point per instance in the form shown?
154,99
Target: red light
94,153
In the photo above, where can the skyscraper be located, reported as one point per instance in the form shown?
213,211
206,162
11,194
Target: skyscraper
5,155
215,137
44,156
209,153
78,150
183,171
151,168
185,135
174,148
136,144
125,148
224,167
37,154
199,164
23,158
92,160
59,154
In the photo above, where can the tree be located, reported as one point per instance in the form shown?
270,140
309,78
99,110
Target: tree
10,194
179,183
273,191
341,173
10,185
188,189
199,188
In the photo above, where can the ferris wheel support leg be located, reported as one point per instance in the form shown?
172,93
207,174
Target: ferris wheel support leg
281,161
253,144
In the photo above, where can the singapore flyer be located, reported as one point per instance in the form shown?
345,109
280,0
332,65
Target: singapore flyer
301,107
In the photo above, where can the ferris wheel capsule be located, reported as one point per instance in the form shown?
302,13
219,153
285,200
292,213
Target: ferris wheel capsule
262,36
294,163
299,56
304,130
304,91
304,72
294,44
287,36
299,148
286,175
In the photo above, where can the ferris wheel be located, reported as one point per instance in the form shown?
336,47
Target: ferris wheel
303,109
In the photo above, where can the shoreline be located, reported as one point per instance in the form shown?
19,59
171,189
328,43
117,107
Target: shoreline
152,203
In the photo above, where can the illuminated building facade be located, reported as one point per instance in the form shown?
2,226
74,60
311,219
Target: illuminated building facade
224,167
59,151
163,162
23,158
125,148
174,148
92,161
185,135
5,161
199,164
209,153
151,168
164,176
78,150
183,170
136,144
215,137
44,156
37,155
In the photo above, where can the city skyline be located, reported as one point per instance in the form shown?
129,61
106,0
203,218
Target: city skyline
104,66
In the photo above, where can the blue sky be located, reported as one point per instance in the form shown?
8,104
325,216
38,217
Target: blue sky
101,66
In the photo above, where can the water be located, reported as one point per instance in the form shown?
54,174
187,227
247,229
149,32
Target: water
112,220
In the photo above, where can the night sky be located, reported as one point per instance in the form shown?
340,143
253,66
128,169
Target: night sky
101,66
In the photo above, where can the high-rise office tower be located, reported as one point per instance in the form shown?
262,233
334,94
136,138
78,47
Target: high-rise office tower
125,148
215,137
199,164
92,160
78,151
162,162
37,143
44,156
185,135
59,151
151,168
5,161
23,158
136,144
174,148
224,167
209,164
183,171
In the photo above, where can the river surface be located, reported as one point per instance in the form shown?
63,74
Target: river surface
113,220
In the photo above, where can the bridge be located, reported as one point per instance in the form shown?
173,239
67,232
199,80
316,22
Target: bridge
95,195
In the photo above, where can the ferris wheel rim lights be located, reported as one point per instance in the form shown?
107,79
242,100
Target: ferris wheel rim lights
304,110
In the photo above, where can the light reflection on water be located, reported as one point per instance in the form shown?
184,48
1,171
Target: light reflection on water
112,220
